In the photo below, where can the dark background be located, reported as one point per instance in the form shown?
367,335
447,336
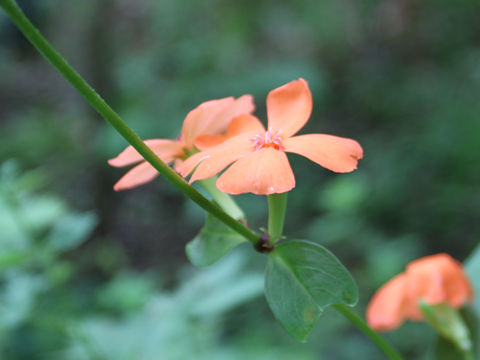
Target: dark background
87,273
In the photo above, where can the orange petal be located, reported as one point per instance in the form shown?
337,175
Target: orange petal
243,105
176,165
332,152
137,176
437,279
212,117
263,172
457,285
212,161
385,311
289,107
240,124
199,118
163,148
203,142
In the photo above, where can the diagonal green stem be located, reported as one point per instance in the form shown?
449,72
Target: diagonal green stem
367,330
42,45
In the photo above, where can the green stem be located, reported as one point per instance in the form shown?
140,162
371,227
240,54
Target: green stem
367,330
224,200
42,45
277,207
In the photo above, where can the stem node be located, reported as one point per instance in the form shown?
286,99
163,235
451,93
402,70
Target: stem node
264,245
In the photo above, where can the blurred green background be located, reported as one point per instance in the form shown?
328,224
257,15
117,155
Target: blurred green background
87,273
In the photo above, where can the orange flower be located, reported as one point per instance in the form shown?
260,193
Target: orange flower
209,118
434,279
260,164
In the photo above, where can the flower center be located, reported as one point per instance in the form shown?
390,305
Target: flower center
269,139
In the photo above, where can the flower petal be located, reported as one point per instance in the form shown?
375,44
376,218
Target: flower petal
137,176
243,105
240,124
212,117
199,118
332,152
263,172
289,107
176,165
436,279
457,285
385,311
163,148
214,160
203,142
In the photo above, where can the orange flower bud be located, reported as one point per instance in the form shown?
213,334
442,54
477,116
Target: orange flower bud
435,279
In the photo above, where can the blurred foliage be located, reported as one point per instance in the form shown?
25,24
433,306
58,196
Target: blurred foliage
36,282
400,76
179,324
45,313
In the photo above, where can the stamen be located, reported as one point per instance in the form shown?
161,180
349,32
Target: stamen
269,139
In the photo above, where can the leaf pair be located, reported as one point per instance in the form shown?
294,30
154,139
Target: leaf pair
302,278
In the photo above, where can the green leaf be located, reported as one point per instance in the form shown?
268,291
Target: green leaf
302,279
447,350
448,323
213,242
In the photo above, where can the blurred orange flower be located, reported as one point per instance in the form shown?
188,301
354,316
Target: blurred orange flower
209,118
260,165
434,279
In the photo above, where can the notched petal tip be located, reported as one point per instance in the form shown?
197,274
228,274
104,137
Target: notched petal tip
247,104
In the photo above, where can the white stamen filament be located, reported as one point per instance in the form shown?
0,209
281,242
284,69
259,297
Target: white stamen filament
269,139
